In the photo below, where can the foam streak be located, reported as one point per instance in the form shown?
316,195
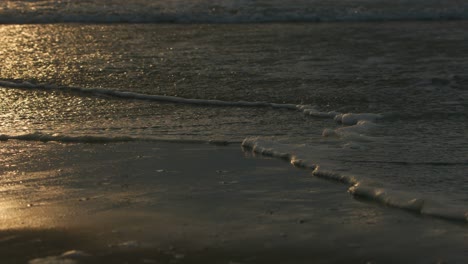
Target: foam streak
139,96
104,139
383,195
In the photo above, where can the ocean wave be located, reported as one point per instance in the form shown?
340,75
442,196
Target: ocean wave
204,11
359,188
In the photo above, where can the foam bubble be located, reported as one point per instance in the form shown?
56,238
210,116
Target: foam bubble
381,195
358,132
350,119
311,111
330,175
256,146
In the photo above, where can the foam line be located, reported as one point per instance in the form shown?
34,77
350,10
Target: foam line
330,175
347,119
353,123
146,97
386,196
353,120
252,144
410,202
104,139
382,196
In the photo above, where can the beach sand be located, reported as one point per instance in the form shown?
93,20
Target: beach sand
146,202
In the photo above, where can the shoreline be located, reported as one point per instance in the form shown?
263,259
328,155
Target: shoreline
139,202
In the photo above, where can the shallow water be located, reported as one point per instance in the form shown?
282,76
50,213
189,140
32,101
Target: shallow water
408,74
182,11
379,104
192,203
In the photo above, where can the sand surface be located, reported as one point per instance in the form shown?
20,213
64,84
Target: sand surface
195,203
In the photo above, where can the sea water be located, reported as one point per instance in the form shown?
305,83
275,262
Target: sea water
371,94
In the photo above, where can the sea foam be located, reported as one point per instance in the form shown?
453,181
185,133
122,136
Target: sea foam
352,126
359,186
345,119
139,96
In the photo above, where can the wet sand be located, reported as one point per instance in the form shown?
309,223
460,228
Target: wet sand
194,203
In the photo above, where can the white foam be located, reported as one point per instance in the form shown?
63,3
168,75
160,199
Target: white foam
411,202
350,119
139,96
381,195
376,192
347,119
330,175
356,127
358,132
256,146
311,111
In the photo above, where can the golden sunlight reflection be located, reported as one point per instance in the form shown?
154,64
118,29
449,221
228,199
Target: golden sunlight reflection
37,111
29,52
30,200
